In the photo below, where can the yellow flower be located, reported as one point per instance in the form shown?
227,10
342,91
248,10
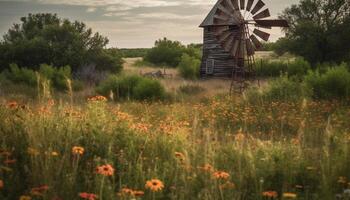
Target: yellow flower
24,197
78,150
54,153
154,185
221,175
289,195
97,98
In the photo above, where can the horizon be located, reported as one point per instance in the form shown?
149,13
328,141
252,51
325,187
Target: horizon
130,24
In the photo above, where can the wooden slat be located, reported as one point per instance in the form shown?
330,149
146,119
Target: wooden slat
257,7
261,34
263,14
235,4
256,42
249,5
242,4
273,23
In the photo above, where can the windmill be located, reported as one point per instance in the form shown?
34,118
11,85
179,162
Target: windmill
232,33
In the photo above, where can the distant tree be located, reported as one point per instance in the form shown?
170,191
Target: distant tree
319,30
45,38
165,52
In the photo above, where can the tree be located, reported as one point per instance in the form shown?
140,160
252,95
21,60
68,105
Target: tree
319,30
45,38
165,52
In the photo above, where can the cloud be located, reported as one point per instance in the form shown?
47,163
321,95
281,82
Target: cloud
91,9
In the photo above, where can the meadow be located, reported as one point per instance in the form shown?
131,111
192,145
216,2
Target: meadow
218,147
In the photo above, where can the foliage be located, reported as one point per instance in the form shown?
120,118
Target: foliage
286,89
298,67
334,83
45,38
169,53
134,53
131,87
191,89
189,67
318,30
57,76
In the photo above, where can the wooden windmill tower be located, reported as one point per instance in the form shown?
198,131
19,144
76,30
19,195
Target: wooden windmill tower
231,32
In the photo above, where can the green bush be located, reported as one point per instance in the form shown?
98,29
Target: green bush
148,89
334,83
21,75
57,76
297,67
189,67
286,89
131,87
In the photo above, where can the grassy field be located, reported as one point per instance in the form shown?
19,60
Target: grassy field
213,147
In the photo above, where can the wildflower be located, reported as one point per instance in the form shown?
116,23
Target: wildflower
54,153
105,170
270,194
97,98
342,180
221,175
32,151
24,197
12,104
1,184
38,191
289,195
78,150
180,156
207,168
88,196
227,185
154,185
139,193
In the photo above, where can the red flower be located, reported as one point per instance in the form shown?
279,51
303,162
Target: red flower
88,196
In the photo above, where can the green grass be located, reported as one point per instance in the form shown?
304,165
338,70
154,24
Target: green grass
299,147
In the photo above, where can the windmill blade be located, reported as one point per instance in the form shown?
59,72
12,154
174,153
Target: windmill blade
250,48
235,4
220,29
256,42
249,5
257,7
228,44
224,37
265,27
229,5
224,10
261,34
234,47
242,3
263,14
272,23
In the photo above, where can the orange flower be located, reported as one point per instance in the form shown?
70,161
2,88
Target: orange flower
1,184
38,191
138,193
105,170
12,104
97,98
9,161
78,150
154,185
207,168
88,196
270,194
221,175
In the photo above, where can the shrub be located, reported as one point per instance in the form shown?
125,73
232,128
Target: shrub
21,75
148,89
286,89
334,83
189,67
58,76
165,52
298,67
131,87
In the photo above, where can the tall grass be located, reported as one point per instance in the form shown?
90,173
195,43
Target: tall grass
221,149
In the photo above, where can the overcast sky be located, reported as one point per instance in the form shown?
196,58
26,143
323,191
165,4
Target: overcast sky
129,23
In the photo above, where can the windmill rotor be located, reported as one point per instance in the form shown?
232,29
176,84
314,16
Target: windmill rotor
233,21
241,25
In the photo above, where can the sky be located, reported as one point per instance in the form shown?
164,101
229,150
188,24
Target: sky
130,23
